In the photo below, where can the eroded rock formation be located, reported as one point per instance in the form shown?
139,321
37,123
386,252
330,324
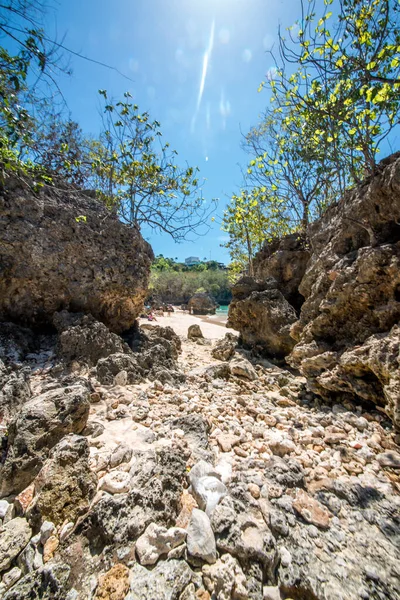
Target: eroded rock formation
202,304
263,316
61,249
344,286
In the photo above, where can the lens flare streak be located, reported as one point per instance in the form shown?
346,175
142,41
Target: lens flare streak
204,71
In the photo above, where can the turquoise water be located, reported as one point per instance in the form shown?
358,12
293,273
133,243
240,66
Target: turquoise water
222,310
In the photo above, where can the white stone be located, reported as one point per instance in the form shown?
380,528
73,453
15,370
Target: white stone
243,368
3,508
200,537
158,540
116,482
208,491
46,531
225,579
271,593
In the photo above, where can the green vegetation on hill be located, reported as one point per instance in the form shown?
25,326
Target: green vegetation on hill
176,282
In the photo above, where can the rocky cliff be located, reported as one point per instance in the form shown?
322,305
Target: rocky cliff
344,285
61,249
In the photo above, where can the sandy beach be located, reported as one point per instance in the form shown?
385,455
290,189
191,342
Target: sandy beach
212,326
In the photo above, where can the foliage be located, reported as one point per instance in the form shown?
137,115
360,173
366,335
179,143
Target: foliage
334,99
33,57
61,148
137,174
175,282
295,176
346,87
250,218
178,286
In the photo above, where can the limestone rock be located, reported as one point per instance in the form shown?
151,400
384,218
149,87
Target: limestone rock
41,422
196,429
390,459
262,315
116,482
14,390
158,540
83,338
243,368
224,349
50,582
156,489
347,332
65,485
14,536
194,332
271,593
286,261
16,342
311,510
225,579
200,537
121,454
52,262
166,581
11,577
202,304
107,368
113,585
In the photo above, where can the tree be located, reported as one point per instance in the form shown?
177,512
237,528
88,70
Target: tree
138,175
33,54
61,148
347,80
250,218
296,178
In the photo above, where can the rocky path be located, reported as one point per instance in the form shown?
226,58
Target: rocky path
236,483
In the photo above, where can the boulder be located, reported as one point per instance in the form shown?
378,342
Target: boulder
262,315
243,368
108,368
65,484
284,260
39,425
156,350
63,249
225,348
83,338
202,304
194,332
370,372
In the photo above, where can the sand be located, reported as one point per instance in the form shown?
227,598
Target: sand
212,326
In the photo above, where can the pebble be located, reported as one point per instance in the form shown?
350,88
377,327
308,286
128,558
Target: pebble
311,510
116,482
389,459
50,547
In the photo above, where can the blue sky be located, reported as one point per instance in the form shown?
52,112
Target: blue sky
203,105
